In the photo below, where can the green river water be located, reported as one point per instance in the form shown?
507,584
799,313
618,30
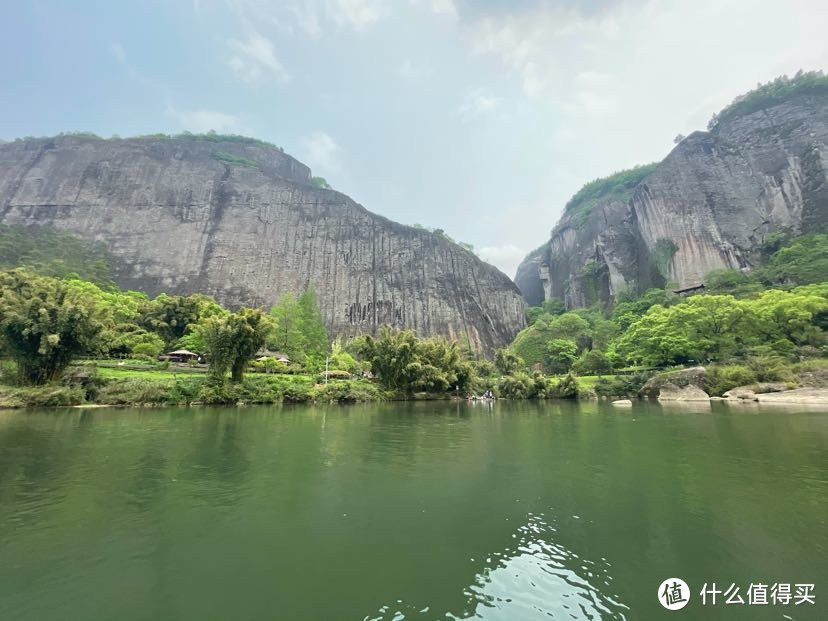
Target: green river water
511,511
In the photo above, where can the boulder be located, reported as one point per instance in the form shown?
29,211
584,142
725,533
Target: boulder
671,392
740,394
622,403
694,376
804,396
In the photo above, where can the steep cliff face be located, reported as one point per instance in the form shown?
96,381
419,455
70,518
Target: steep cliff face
242,222
709,204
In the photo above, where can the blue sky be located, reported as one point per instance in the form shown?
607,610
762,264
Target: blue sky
481,117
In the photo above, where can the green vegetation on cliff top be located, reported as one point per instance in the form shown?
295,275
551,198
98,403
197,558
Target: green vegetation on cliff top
210,136
618,186
771,94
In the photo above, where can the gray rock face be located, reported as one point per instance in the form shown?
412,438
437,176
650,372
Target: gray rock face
242,222
712,200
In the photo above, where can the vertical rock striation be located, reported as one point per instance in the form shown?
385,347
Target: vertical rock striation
709,204
242,221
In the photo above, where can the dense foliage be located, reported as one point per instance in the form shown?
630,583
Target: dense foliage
746,327
617,186
772,93
43,325
230,341
405,364
298,327
742,315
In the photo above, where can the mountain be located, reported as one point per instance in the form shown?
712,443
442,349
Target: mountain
239,219
713,202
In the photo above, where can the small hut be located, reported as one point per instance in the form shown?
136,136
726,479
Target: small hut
265,354
182,356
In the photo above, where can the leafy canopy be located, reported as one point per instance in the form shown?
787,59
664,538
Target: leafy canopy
44,325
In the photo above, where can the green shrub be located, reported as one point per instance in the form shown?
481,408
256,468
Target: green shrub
297,393
771,369
622,385
519,385
719,379
348,392
237,160
567,388
49,395
133,391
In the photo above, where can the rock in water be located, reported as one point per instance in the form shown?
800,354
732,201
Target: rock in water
670,392
709,204
242,221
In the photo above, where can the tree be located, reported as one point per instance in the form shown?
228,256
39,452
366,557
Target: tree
567,388
631,308
803,262
43,326
298,327
560,354
593,362
701,329
406,364
286,334
169,316
249,328
507,362
231,341
390,356
311,323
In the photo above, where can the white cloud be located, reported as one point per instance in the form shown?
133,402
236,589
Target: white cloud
479,101
321,152
506,257
201,120
254,60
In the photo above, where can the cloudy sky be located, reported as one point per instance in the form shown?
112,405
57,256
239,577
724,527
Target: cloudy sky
481,117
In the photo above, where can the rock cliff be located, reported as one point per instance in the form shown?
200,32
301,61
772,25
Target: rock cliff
242,221
709,204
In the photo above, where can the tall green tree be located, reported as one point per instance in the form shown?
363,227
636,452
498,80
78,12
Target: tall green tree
406,364
311,323
298,327
43,326
169,316
508,362
560,354
232,340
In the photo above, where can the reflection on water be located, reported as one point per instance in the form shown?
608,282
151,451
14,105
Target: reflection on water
536,578
420,511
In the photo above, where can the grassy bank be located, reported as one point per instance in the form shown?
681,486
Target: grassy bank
114,386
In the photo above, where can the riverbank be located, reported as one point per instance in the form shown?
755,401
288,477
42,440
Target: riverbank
119,386
104,383
155,388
